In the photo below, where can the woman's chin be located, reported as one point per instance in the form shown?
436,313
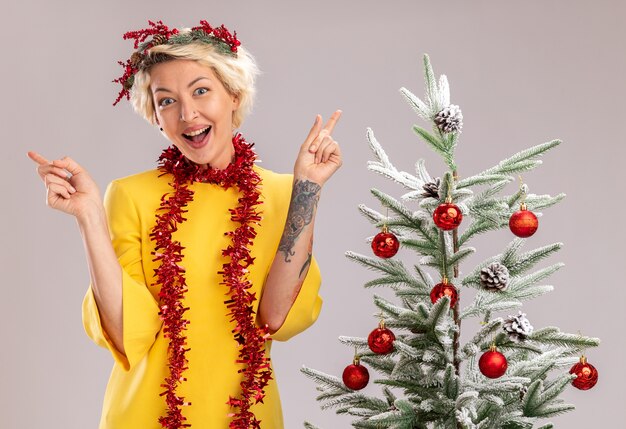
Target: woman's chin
205,161
198,160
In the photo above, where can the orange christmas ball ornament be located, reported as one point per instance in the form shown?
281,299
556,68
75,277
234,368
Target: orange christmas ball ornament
493,364
586,374
523,223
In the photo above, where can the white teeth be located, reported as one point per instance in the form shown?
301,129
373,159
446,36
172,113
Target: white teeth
197,132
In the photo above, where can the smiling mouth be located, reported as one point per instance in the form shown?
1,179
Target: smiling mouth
198,135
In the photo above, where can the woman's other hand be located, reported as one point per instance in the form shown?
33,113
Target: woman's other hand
69,187
319,155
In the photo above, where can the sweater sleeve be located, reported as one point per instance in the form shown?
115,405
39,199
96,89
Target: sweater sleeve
141,322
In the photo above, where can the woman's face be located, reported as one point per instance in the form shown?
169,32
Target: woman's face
194,110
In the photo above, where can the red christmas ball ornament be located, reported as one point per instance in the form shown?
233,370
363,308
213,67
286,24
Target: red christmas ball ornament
523,223
385,244
447,216
381,339
493,364
586,374
444,289
356,376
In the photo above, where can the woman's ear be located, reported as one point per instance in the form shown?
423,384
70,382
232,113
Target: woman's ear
235,102
156,121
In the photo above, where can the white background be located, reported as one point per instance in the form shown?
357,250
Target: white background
522,72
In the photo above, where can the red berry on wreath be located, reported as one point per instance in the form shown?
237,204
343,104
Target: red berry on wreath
523,223
493,364
586,374
444,289
381,339
385,244
447,216
355,376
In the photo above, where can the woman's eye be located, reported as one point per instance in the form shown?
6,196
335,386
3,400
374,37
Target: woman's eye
165,102
200,91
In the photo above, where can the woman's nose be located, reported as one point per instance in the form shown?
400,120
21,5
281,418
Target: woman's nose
187,111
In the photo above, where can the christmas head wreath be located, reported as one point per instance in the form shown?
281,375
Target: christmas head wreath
222,39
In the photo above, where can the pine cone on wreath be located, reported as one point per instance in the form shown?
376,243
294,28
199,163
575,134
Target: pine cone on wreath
431,189
128,83
495,276
159,39
135,59
450,119
518,328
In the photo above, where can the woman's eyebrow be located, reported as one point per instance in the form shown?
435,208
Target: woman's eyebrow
192,83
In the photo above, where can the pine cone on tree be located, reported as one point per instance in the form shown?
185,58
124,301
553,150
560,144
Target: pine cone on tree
450,119
431,189
518,328
522,392
495,276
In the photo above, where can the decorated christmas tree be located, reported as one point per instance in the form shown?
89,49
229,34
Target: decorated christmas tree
508,375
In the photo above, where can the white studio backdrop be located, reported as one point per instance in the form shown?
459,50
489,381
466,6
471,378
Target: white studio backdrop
523,73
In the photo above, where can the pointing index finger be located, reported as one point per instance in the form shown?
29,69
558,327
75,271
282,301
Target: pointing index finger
38,158
330,125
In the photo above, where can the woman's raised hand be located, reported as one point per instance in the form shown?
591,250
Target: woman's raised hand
319,155
70,188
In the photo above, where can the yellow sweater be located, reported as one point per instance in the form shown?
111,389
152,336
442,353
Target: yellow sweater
132,398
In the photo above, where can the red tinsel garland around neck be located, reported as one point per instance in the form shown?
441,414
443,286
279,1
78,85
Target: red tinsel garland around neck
171,278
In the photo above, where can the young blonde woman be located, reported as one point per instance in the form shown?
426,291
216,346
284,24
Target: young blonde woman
196,265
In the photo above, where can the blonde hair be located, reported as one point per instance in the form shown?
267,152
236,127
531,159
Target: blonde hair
236,72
